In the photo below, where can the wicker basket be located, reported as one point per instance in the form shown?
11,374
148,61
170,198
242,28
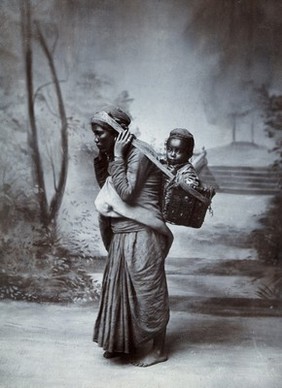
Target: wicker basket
183,205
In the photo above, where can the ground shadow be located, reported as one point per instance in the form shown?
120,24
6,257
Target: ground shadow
227,307
200,331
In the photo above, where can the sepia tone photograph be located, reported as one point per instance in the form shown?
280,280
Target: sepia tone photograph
140,193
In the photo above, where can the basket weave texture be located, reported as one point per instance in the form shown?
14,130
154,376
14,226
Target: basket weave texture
180,207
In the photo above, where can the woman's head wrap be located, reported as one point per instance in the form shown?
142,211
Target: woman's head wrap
186,136
118,115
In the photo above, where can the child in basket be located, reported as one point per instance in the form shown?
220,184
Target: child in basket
179,150
185,199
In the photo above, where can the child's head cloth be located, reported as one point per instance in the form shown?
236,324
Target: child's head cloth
181,133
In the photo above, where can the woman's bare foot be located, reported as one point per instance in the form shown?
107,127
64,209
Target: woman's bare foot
111,354
150,359
157,353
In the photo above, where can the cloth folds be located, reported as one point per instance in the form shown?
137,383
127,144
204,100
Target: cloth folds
109,204
134,299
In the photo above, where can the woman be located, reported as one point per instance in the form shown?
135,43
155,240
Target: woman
134,300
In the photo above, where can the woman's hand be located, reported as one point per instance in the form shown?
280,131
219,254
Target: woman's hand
122,143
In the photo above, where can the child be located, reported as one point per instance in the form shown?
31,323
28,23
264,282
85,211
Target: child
179,150
180,204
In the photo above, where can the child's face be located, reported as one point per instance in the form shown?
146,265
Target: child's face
176,152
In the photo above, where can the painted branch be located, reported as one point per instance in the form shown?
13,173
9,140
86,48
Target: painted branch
36,158
59,193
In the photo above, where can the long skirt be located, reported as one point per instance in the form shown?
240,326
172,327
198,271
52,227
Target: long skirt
134,298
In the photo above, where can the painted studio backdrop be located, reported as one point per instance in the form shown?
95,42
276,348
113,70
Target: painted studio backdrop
211,66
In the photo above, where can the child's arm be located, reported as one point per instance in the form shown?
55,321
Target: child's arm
188,175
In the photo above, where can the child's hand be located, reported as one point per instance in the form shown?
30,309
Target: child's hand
122,143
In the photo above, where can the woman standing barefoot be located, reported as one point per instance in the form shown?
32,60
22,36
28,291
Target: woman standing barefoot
134,299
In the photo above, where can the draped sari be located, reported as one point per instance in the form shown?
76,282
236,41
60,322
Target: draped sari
133,306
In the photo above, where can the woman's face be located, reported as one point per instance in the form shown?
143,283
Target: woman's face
176,152
104,139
